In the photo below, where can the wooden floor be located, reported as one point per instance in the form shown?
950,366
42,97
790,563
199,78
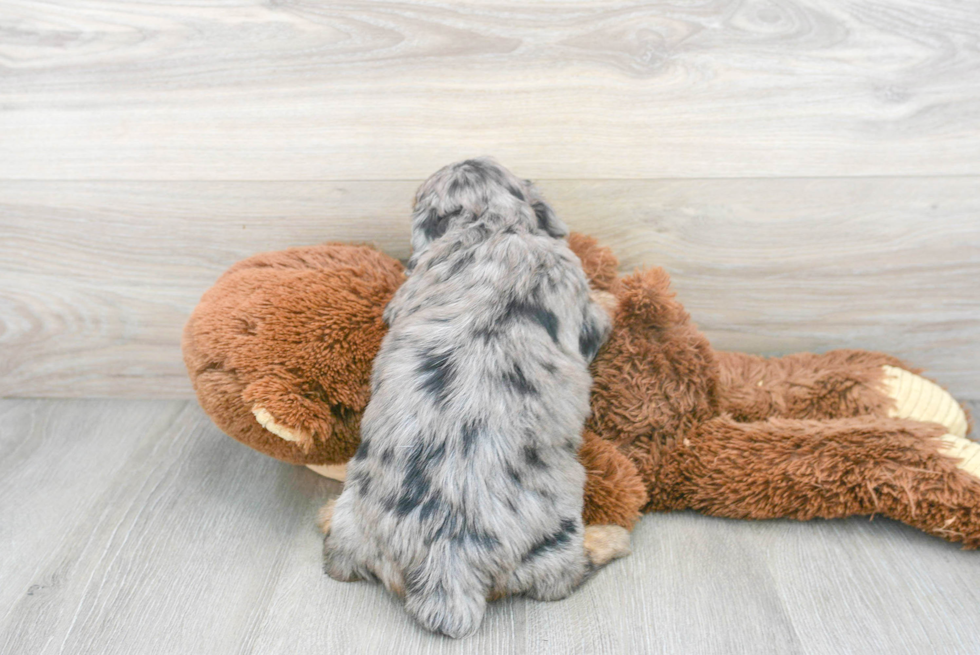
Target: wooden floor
137,527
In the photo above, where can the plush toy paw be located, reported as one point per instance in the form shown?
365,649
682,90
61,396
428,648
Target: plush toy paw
605,300
604,543
919,399
336,472
325,516
964,450
267,421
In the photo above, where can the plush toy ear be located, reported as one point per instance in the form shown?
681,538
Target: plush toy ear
599,262
548,222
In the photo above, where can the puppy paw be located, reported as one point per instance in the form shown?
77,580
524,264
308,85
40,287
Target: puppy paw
267,421
604,543
325,516
919,399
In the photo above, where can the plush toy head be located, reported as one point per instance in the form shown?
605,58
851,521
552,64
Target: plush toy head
287,339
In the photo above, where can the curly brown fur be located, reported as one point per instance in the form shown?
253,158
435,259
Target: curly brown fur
805,469
614,491
598,262
740,436
656,378
837,384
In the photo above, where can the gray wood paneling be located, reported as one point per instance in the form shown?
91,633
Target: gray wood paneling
98,89
136,527
97,278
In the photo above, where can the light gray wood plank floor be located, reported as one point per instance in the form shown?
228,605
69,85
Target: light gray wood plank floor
137,527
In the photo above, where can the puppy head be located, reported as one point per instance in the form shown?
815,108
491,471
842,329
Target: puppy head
478,191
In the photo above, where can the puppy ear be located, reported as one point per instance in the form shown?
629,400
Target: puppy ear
427,226
433,225
548,222
596,326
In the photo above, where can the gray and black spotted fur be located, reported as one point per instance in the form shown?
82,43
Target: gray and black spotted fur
466,485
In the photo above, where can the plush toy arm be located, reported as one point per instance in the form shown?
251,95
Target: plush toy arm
783,468
614,492
837,384
599,263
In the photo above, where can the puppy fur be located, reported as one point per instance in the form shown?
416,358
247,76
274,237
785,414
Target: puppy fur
466,484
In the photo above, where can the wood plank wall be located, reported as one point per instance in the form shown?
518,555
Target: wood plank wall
807,171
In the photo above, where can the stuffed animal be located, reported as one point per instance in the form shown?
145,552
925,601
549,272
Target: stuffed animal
280,352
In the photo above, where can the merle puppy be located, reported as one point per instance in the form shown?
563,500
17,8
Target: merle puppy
466,485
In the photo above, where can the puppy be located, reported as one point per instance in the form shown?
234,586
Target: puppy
466,485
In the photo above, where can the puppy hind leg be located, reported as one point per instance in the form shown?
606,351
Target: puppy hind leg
338,560
565,560
555,566
554,575
344,548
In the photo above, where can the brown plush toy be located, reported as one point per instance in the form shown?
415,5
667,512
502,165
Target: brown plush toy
280,353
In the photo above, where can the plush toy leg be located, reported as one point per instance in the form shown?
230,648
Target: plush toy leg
923,400
837,384
966,453
784,468
614,491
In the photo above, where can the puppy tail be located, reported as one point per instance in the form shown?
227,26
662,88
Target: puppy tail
445,599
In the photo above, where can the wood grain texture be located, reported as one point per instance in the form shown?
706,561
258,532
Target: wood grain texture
819,168
102,89
136,527
98,278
